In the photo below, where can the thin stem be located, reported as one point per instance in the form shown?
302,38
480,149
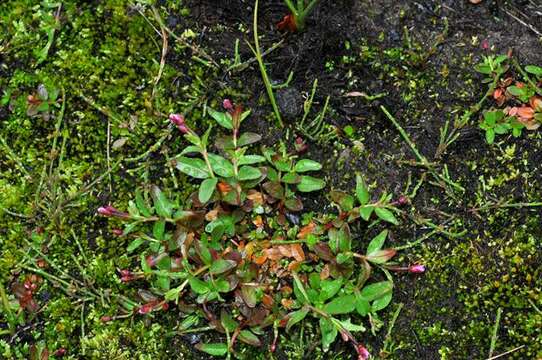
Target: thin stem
495,330
257,52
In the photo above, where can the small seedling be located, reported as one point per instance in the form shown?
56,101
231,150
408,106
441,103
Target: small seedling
295,21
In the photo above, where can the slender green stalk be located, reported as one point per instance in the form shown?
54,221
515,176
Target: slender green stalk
258,54
7,309
495,330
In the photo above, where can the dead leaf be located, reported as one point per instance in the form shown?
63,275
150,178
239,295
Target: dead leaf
306,230
297,252
117,144
525,112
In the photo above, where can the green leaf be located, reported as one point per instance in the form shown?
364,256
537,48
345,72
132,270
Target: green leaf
361,190
482,68
366,212
191,149
135,244
377,242
249,173
535,70
329,333
158,230
248,138
341,305
291,178
206,189
161,203
328,288
215,349
344,200
490,136
516,91
251,159
248,337
198,286
386,215
381,303
347,324
141,204
309,184
221,266
363,307
295,317
195,168
377,290
307,165
223,119
227,321
381,256
221,166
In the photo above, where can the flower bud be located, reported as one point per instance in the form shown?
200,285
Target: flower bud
403,200
363,353
111,211
177,119
106,318
117,232
60,352
227,104
416,269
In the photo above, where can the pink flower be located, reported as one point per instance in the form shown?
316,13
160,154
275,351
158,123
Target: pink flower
403,200
416,269
111,211
177,119
363,353
227,104
485,44
146,308
117,232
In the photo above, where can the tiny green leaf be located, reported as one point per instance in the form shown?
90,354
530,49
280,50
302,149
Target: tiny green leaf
221,166
215,349
309,184
377,242
206,189
223,119
251,159
307,165
248,138
295,317
193,167
361,190
161,203
221,266
386,215
341,305
249,173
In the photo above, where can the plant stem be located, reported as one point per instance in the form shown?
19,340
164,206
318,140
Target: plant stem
495,330
257,52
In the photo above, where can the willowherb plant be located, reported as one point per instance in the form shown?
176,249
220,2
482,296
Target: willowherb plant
236,257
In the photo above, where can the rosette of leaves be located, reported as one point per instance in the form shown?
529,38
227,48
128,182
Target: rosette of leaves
232,172
287,173
360,205
496,122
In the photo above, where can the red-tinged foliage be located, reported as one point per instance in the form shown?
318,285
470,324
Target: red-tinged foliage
287,24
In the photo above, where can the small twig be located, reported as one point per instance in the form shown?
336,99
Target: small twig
108,154
241,66
495,331
529,26
506,353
